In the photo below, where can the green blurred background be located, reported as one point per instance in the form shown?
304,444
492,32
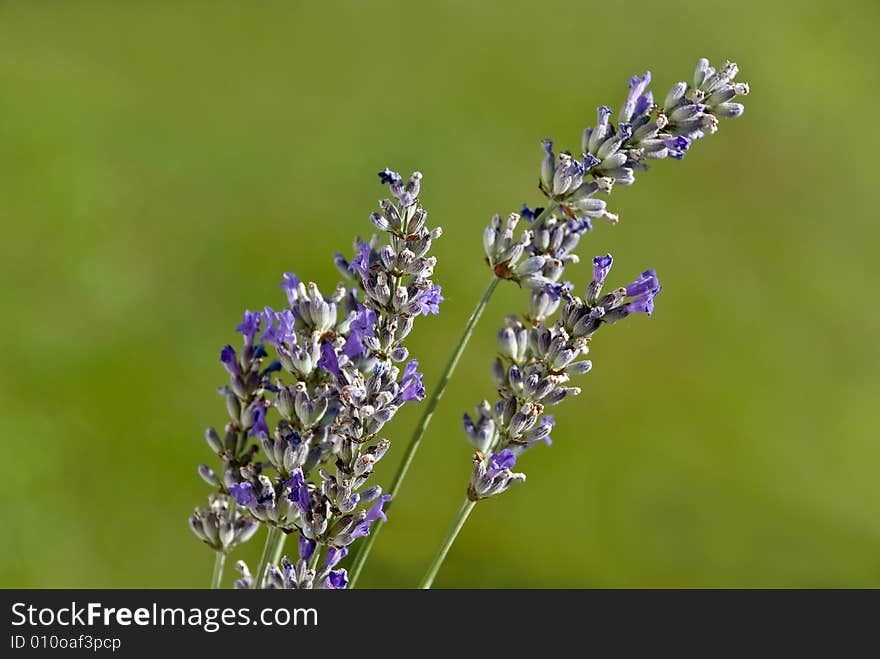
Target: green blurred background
161,164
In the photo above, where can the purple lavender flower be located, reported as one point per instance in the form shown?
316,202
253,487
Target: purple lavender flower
337,579
677,146
259,429
646,282
411,387
428,301
494,478
498,462
299,490
243,493
361,261
278,327
601,268
306,548
557,290
375,512
644,303
637,88
329,362
289,284
334,555
578,226
249,326
589,161
229,360
645,102
530,214
363,326
387,176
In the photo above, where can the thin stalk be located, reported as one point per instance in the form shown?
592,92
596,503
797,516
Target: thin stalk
316,556
279,549
428,412
457,522
274,541
219,563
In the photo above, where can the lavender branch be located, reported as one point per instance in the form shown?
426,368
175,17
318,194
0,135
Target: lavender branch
333,386
539,356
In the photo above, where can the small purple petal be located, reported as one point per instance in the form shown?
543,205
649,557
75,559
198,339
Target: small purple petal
589,161
644,303
329,362
249,326
679,143
376,512
644,104
504,460
334,555
647,281
529,214
428,301
364,325
299,491
337,579
229,360
361,261
243,493
411,387
259,429
601,268
289,284
389,176
306,548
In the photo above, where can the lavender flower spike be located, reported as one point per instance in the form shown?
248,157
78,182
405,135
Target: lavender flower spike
316,411
535,368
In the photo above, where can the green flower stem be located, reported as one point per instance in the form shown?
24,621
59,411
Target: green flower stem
219,563
273,546
316,556
460,518
279,549
428,412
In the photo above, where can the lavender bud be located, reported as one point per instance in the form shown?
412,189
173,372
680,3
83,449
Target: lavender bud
675,95
701,72
213,440
499,374
209,476
507,342
730,110
581,367
514,376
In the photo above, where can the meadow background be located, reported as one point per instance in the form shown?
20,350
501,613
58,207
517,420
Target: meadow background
161,164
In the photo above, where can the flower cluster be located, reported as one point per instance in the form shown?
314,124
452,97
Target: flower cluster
340,372
538,355
222,525
610,155
533,370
